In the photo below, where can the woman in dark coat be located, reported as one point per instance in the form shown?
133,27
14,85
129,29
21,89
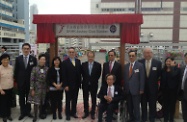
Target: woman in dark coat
55,86
169,85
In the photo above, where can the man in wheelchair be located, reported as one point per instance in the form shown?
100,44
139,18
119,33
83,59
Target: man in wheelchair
110,96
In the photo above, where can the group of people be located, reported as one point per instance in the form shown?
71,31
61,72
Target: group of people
139,85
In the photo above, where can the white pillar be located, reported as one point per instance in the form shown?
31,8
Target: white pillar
138,6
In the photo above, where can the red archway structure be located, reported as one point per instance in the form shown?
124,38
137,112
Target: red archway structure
129,27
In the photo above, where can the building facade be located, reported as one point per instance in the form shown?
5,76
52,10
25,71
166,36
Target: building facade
33,30
21,12
164,20
12,29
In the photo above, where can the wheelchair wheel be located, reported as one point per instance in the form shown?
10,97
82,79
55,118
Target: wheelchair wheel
122,114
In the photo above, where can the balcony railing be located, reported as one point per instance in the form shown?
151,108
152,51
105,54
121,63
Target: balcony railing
6,3
6,13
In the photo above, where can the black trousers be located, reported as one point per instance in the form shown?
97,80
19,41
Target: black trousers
56,101
133,107
71,98
25,107
46,104
0,107
170,98
93,91
184,109
5,103
109,108
151,99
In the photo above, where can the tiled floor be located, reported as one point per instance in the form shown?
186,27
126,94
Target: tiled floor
15,114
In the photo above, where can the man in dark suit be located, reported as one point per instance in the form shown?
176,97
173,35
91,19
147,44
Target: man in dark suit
134,78
184,89
3,50
91,72
110,96
152,75
22,71
112,67
72,81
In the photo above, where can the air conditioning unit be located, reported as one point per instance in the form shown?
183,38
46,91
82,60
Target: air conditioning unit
21,21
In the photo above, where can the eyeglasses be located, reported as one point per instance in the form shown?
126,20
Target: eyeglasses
111,55
26,48
71,52
132,56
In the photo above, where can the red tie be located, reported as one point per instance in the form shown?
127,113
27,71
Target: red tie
110,66
130,70
109,92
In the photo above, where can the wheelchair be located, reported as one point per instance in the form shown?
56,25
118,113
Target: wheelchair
120,114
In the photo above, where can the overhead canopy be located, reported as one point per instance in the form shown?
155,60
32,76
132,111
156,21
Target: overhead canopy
129,24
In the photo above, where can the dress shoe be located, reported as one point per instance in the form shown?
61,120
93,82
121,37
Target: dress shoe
43,116
85,115
4,119
75,116
30,115
130,120
21,117
151,121
54,117
68,118
34,119
60,116
10,118
92,116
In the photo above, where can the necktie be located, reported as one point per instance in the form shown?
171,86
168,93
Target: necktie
147,68
90,68
184,77
110,66
109,92
130,70
25,61
73,62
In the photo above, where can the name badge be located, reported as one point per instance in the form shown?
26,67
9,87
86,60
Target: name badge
116,92
31,63
137,70
42,70
154,68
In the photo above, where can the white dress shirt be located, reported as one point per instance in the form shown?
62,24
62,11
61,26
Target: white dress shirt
111,64
132,65
112,90
27,58
150,61
183,79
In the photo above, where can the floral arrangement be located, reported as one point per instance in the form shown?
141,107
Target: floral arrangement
175,54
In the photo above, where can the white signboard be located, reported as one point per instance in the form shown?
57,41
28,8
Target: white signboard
87,30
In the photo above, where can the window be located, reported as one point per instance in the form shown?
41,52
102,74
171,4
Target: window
97,5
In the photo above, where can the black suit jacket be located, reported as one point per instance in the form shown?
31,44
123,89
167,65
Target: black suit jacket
72,74
151,82
116,70
22,74
95,74
118,94
183,93
52,76
171,80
